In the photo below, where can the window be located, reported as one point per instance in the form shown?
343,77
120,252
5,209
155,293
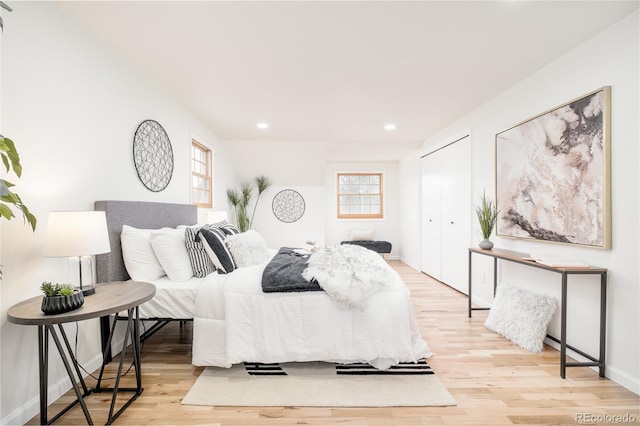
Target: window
201,193
360,195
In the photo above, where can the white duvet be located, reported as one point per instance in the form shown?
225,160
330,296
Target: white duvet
235,322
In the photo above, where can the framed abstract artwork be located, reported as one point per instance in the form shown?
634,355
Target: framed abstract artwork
553,174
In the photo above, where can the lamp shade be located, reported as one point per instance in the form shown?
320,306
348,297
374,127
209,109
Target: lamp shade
76,234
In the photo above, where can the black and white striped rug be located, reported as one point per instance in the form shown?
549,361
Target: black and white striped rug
275,369
319,384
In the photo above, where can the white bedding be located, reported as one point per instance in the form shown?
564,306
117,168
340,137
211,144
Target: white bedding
176,300
235,321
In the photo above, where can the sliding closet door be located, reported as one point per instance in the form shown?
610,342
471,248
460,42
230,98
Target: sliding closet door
431,215
446,213
456,210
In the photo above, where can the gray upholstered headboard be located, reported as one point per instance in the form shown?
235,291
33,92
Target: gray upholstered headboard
139,214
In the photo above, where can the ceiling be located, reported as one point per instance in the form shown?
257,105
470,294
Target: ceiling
337,72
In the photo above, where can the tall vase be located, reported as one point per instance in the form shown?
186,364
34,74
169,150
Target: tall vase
486,244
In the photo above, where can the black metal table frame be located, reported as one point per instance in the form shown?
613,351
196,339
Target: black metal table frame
593,361
132,330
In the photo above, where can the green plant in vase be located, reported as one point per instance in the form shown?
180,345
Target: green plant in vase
487,212
240,200
60,298
51,290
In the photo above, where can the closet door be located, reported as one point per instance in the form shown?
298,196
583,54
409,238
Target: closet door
456,211
446,213
431,215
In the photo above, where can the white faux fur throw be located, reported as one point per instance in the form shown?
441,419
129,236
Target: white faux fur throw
349,274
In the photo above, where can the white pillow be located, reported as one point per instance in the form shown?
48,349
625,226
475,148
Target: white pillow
362,234
247,248
139,257
521,316
168,245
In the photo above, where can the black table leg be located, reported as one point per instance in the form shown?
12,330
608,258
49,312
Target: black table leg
495,275
563,327
75,362
470,274
79,395
133,332
43,357
603,321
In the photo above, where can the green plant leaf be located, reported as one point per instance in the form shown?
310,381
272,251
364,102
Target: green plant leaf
262,183
11,160
5,6
6,212
5,161
12,198
66,290
11,153
233,197
4,187
29,217
246,191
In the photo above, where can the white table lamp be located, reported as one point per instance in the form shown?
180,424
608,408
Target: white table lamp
77,234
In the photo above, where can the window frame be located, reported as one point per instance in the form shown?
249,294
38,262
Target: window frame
380,193
208,163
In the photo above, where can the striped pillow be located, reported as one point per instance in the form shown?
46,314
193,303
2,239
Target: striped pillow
213,241
200,261
228,228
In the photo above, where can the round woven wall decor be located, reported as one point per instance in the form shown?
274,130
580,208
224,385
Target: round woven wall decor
152,155
288,205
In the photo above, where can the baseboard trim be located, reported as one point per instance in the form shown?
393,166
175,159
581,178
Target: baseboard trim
31,407
611,373
408,263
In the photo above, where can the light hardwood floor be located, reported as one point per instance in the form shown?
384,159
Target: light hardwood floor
493,381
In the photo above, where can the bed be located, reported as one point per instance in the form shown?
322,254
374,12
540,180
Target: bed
235,321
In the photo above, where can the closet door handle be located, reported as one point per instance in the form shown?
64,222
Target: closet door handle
452,222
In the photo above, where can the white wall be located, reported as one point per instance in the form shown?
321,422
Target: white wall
387,228
611,58
306,168
410,213
72,108
310,227
297,165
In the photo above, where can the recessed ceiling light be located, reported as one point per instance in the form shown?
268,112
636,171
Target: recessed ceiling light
390,126
262,125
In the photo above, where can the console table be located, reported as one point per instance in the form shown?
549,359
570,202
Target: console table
109,298
523,259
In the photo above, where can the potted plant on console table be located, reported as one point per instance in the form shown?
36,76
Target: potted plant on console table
487,212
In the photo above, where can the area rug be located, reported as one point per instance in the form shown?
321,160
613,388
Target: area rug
319,384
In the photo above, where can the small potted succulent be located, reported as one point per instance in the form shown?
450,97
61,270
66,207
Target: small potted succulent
60,298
